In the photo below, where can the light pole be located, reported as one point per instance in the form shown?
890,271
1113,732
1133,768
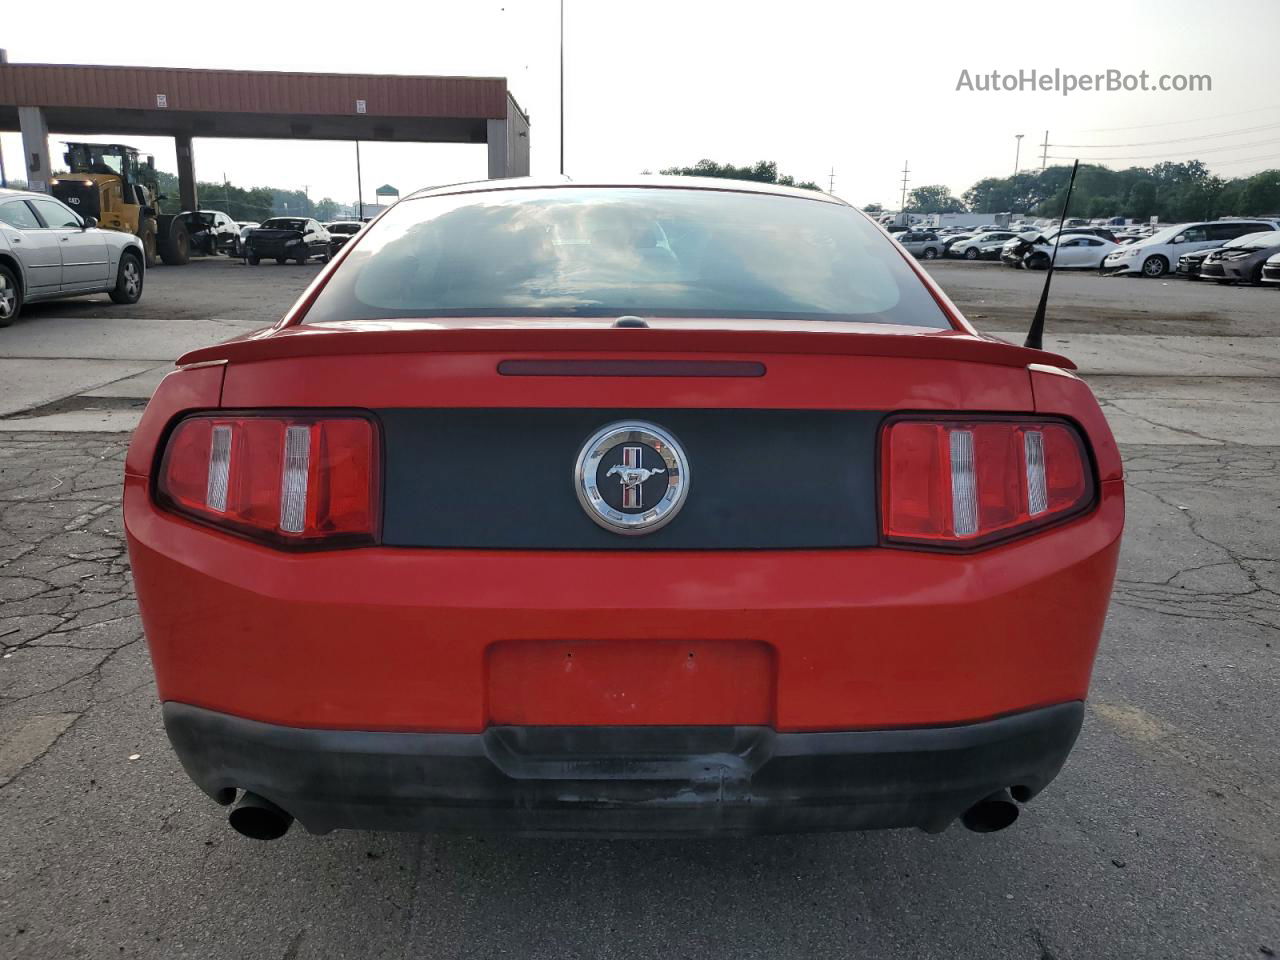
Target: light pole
359,185
562,88
1017,154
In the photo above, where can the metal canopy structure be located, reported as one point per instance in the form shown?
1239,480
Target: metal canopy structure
187,103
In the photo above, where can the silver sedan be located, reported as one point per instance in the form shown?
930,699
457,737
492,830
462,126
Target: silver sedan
47,250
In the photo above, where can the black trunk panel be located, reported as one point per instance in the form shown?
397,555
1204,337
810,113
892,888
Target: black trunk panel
503,479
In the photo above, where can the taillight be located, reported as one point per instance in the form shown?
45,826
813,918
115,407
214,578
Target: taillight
957,483
305,480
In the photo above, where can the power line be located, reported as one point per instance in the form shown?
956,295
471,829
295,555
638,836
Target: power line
1228,163
1152,143
1165,154
1170,123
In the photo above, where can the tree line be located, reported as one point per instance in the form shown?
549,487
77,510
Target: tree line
252,203
764,171
1171,191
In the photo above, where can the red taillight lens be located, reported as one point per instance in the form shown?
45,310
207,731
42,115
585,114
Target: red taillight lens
966,483
292,480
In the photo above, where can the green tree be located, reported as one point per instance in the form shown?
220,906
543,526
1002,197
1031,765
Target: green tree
1260,194
874,209
1141,200
327,209
1172,191
934,199
1020,193
764,171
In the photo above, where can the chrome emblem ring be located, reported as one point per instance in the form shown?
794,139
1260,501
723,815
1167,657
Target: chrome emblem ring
632,477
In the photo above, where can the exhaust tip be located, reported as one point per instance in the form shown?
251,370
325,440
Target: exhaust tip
991,813
258,818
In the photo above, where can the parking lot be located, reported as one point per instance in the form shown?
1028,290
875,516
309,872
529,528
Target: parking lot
1161,838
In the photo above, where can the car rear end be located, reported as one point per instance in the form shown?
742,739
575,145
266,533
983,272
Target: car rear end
378,592
340,233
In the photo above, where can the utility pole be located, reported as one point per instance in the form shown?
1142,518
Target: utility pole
906,170
359,185
1044,157
1018,153
831,181
226,192
4,179
562,88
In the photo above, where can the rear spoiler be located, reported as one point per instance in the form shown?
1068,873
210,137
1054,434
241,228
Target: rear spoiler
315,341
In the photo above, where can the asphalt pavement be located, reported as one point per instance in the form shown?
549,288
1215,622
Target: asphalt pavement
1160,839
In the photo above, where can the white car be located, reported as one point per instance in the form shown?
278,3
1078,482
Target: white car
1075,251
1156,255
47,250
1271,270
984,245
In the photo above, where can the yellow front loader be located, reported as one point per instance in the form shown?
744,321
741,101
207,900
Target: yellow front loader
110,182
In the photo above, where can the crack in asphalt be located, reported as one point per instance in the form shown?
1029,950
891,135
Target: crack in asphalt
67,610
1116,403
1255,598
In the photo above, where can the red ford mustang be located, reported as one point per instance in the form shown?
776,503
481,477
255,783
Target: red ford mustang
678,507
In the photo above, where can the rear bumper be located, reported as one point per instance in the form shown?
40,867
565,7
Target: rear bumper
620,781
399,639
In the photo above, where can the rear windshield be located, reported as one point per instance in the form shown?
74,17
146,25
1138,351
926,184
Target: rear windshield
284,223
600,251
343,227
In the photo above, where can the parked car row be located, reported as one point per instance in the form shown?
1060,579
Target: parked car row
1243,260
213,232
1159,254
1245,250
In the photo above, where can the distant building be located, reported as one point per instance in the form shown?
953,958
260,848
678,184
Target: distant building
370,209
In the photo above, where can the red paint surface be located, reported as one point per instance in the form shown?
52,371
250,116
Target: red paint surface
613,682
384,638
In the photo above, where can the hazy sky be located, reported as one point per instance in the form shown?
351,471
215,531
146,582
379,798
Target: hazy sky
854,86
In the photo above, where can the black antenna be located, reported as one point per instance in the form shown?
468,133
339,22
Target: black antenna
1035,336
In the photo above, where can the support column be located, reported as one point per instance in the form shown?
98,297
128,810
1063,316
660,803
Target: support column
35,148
517,141
496,136
186,173
509,143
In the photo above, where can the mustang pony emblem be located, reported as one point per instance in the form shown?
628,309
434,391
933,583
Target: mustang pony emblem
652,474
631,475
